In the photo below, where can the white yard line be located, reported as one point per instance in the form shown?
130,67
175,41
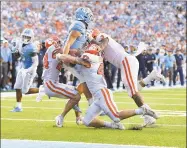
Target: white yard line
117,102
66,121
161,112
16,143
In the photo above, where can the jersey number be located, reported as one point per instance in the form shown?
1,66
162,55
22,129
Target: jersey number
100,70
45,61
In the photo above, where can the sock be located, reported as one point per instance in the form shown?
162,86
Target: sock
139,111
107,124
146,106
148,79
90,101
19,104
139,86
41,89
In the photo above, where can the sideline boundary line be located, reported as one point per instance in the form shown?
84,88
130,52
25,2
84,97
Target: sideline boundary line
16,143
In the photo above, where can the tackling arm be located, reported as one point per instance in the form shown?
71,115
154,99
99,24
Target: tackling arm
102,44
68,59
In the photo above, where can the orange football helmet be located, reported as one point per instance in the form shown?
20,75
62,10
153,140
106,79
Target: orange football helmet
53,40
93,49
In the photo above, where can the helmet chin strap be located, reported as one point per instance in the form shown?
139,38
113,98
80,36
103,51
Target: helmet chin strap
85,24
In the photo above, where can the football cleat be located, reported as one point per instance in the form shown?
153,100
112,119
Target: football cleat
17,109
40,94
148,121
59,121
38,98
149,112
79,120
117,125
158,76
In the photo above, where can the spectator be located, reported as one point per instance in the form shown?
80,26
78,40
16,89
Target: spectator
151,58
41,54
169,66
179,61
6,59
142,64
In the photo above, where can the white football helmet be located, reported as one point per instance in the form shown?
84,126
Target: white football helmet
27,36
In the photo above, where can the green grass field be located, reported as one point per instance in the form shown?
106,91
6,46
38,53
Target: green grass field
36,122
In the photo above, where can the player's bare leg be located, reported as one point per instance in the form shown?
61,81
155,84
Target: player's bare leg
82,88
18,107
70,104
138,99
99,124
33,91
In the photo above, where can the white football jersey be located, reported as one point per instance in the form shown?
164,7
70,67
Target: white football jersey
114,52
94,76
52,67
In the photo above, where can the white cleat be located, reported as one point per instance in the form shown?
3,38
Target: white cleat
158,76
59,121
150,112
39,97
79,120
118,126
148,121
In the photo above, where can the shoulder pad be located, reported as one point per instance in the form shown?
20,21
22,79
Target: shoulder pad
78,26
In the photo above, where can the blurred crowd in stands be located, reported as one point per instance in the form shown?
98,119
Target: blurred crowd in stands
162,25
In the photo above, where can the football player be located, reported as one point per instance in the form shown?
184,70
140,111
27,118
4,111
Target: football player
52,87
29,61
96,83
75,41
115,54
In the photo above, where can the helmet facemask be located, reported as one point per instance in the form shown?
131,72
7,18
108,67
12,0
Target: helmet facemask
26,39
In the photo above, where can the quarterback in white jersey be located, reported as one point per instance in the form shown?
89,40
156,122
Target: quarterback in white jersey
129,65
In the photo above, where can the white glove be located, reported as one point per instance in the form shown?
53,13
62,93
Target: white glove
58,56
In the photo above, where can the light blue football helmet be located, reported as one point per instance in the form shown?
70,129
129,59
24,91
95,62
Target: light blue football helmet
84,14
27,36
